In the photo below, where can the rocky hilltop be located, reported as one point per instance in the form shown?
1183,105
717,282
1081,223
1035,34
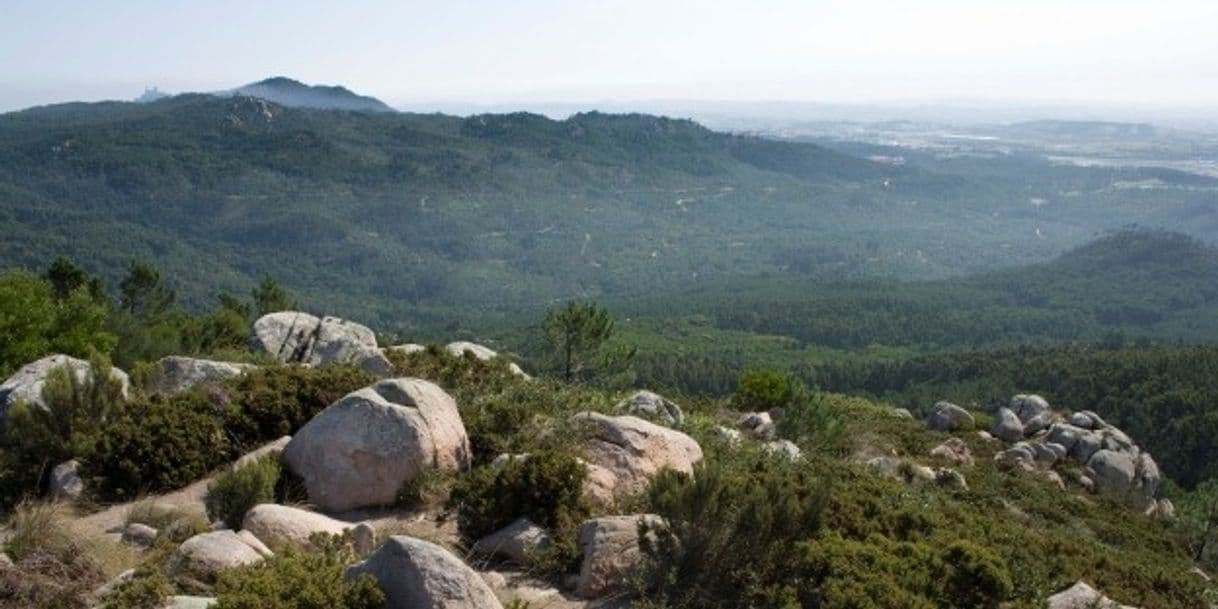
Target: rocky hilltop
410,476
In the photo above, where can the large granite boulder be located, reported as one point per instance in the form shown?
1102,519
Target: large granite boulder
175,374
1007,426
415,574
361,450
300,338
1114,471
27,383
1028,407
610,547
624,453
205,555
283,525
946,416
652,406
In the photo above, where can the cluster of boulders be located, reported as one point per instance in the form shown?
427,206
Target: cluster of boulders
1038,437
362,449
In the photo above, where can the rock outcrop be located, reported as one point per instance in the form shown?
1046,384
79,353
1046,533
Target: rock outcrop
27,383
1082,596
654,406
300,338
1111,462
282,525
176,374
610,547
946,416
415,574
954,450
361,450
461,347
624,453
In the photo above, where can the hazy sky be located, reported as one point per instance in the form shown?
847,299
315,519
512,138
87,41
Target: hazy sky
1113,51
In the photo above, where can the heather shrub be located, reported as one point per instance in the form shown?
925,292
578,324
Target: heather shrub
237,489
157,443
545,487
273,402
296,579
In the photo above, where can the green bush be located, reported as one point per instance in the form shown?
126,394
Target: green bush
155,444
35,439
149,588
273,402
295,579
234,491
761,390
809,419
546,487
732,530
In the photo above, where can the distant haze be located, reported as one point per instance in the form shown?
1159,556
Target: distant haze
525,53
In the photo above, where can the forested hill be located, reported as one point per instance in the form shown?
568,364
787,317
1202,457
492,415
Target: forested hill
408,219
1136,283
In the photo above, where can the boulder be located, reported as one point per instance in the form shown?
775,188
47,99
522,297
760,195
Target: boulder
361,450
415,574
946,416
190,602
1044,454
1114,471
1054,478
408,348
205,555
783,448
461,347
1163,508
652,406
282,525
1082,420
610,547
758,425
514,542
1027,407
1149,476
1007,426
5,561
299,338
26,384
727,434
1082,596
1039,423
954,450
901,413
624,453
139,535
1097,422
950,478
175,374
65,481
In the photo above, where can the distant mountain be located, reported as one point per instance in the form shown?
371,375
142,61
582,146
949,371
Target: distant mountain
295,94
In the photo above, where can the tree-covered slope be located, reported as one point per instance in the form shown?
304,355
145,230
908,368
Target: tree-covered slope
411,219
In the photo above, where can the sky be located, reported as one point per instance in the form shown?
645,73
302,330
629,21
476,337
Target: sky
408,53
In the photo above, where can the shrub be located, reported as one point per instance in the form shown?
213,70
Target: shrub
731,532
760,390
148,588
809,419
172,523
295,579
234,491
273,402
35,439
546,487
155,444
